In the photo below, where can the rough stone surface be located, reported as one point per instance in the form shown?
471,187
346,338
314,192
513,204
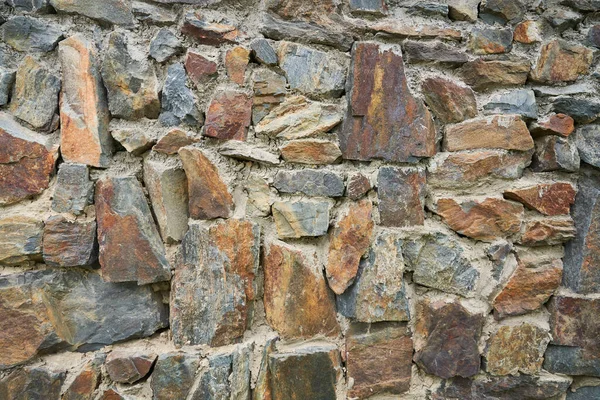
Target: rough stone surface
177,100
449,101
311,182
263,52
401,194
582,110
553,153
301,218
586,139
30,34
358,185
164,45
269,91
173,375
135,141
547,232
247,152
74,190
434,52
117,12
20,239
311,151
490,41
128,367
32,383
209,33
571,360
228,116
521,102
85,383
527,32
236,61
153,14
199,68
559,61
501,11
69,243
481,73
174,140
554,124
572,322
548,199
7,79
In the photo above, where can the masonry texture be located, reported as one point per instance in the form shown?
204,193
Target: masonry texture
299,199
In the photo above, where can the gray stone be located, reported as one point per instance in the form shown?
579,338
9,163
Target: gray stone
134,139
240,373
173,375
117,12
269,91
562,19
427,9
520,102
463,10
30,34
584,393
20,240
501,11
577,88
553,153
498,254
583,5
32,383
301,218
434,52
263,52
401,194
165,45
153,14
7,79
214,381
31,6
311,182
490,41
74,190
247,152
439,261
375,7
178,102
69,243
571,361
587,139
259,197
583,111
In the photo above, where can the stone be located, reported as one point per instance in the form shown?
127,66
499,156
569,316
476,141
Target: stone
236,62
527,32
394,29
35,96
130,81
209,197
199,68
269,91
569,89
498,253
560,61
379,360
174,140
430,9
164,45
26,161
401,194
349,241
69,244
573,322
501,11
263,52
228,116
561,19
553,153
240,372
297,117
311,182
300,218
373,7
446,337
29,34
440,262
586,139
112,394
20,239
449,101
528,288
177,101
434,52
133,139
85,383
463,10
508,132
485,220
262,390
547,232
213,382
173,375
521,102
516,349
358,185
313,72
247,152
32,383
583,111
572,361
582,5
128,367
288,273
259,197
31,6
298,10
378,292
209,33
153,14
117,12
84,116
593,36
490,41
311,151
583,393
549,199
7,80
383,121
130,247
168,189
482,74
74,191
553,124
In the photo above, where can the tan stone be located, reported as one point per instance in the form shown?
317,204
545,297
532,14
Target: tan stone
559,62
20,239
236,61
311,151
482,74
174,140
549,199
449,101
396,29
547,232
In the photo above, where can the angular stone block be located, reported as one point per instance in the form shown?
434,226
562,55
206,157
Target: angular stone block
401,194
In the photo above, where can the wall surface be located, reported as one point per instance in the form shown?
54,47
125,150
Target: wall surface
299,199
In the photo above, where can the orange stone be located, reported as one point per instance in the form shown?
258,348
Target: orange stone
311,151
174,140
482,73
527,32
547,232
228,116
548,199
236,61
85,383
559,62
554,124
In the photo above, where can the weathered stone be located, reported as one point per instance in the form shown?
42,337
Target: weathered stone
117,12
483,74
32,383
528,288
35,96
213,382
228,116
317,12
26,161
259,197
378,292
582,5
446,339
527,32
374,7
562,19
288,274
209,33
440,262
130,246
168,189
236,61
587,139
247,152
383,120
583,111
7,79
20,239
199,68
263,391
174,140
584,393
74,191
553,124
401,194
31,6
559,62
572,361
239,379
520,102
507,132
112,394
573,322
313,72
30,34
128,367
516,349
547,232
358,186
301,218
391,28
311,182
490,41
69,244
177,101
153,14
379,359
311,151
430,9
593,36
85,383
549,199
485,220
263,52
449,101
463,10
434,52
269,91
164,45
553,153
498,253
209,197
581,87
501,11
84,115
173,375
133,139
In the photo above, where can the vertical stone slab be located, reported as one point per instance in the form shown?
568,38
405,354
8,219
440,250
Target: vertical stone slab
401,194
74,190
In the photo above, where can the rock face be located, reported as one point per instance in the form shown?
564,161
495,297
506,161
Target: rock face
31,383
358,185
127,367
173,375
571,360
20,239
165,44
553,153
587,144
174,140
130,246
449,101
548,232
30,34
228,116
236,61
490,41
177,101
301,218
311,182
481,73
311,151
74,190
571,321
85,383
401,194
435,52
7,79
269,91
554,124
117,12
559,61
548,199
521,102
69,244
208,33
383,121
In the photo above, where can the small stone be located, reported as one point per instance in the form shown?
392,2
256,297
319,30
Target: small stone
214,381
448,100
228,116
301,218
573,322
153,14
572,361
31,6
358,186
547,232
490,41
548,199
594,36
482,74
174,140
569,89
259,197
560,61
498,254
427,9
208,33
583,111
263,391
239,380
112,394
287,275
373,7
134,140
553,124
463,10
20,239
117,12
199,68
521,102
434,52
209,197
584,393
29,34
247,152
128,367
85,383
269,91
178,102
69,244
395,29
130,246
311,151
485,220
587,139
553,153
501,11
401,194
7,79
236,61
561,19
32,383
173,375
164,45
263,52
527,32
74,190
311,182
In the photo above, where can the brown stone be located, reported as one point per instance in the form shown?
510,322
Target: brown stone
574,322
554,124
401,30
236,61
174,140
228,116
85,383
554,153
206,32
449,101
209,197
26,161
358,185
484,220
127,367
401,194
379,359
20,239
291,309
549,199
559,62
317,11
69,243
349,241
384,120
527,32
32,383
547,232
269,91
111,394
198,67
311,151
490,41
84,115
482,74
507,132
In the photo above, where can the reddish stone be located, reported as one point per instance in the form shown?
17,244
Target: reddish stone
69,243
209,33
554,124
311,151
236,61
228,116
198,67
547,232
574,322
507,132
384,120
482,73
401,194
127,367
85,384
32,383
527,32
548,199
111,394
174,140
559,61
449,101
358,185
554,153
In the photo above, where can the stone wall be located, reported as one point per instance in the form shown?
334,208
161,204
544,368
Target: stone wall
299,199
